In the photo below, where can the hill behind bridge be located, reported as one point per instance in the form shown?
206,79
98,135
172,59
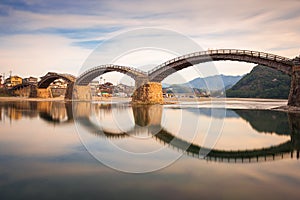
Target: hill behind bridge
262,82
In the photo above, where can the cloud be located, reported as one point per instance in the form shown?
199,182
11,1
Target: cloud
37,54
89,44
80,33
271,26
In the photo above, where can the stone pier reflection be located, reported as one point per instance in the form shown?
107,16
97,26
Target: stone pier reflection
147,119
147,115
294,121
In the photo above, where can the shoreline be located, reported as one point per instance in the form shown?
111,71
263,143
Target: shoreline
3,99
128,99
229,103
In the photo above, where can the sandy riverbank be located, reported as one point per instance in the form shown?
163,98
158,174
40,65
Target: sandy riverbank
30,99
230,103
111,99
128,99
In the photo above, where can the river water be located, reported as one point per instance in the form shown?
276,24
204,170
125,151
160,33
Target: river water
58,150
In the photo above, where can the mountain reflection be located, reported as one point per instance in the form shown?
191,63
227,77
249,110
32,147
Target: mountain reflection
267,121
148,120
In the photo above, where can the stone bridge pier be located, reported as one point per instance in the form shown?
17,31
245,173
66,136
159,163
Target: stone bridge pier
294,96
44,93
80,92
147,92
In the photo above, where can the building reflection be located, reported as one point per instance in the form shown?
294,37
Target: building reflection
53,112
18,110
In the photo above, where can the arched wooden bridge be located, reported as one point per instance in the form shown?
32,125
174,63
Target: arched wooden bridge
162,71
52,76
86,77
159,73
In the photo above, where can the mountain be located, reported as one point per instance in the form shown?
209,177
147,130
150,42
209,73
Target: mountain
165,85
262,82
212,82
266,121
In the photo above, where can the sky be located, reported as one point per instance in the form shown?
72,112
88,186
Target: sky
37,36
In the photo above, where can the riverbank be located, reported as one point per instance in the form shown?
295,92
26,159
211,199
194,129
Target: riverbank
30,99
230,103
237,103
105,99
108,99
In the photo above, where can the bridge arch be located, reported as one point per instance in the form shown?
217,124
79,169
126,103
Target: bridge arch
162,71
86,77
52,76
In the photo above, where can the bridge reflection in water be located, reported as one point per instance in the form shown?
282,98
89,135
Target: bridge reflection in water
148,120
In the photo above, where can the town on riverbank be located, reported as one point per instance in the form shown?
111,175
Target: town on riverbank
16,86
56,85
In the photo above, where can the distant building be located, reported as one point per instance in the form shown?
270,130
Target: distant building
297,60
58,87
59,83
94,85
123,90
13,81
1,85
31,80
105,89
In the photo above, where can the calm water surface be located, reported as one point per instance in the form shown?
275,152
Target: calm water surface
42,156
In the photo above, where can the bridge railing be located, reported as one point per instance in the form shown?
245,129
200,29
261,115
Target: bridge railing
224,51
68,75
125,68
